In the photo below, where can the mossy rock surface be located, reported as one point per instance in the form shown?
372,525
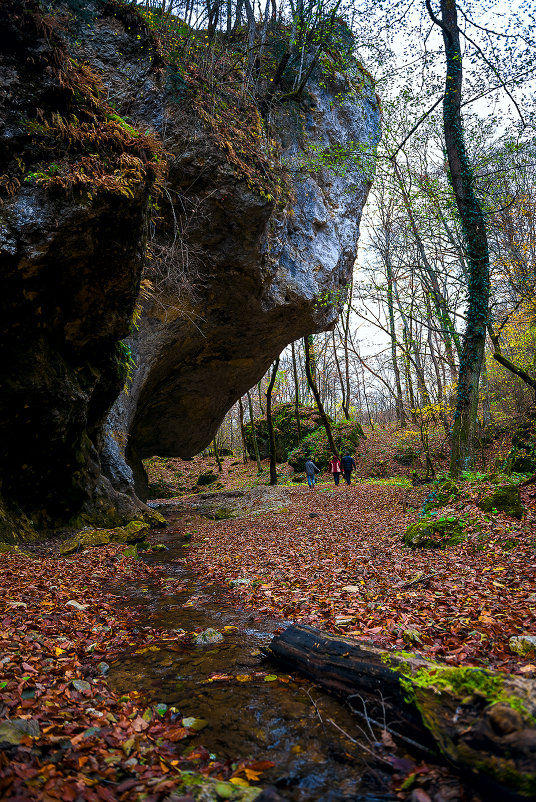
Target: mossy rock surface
434,533
285,430
522,455
134,532
206,478
161,489
504,499
15,527
346,435
441,494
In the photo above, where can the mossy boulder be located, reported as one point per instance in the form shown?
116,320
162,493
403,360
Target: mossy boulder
522,455
15,527
505,498
316,446
207,478
134,532
434,533
523,645
285,430
441,494
161,489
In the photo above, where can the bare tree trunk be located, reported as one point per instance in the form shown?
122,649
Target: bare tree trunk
476,244
399,400
271,433
242,432
296,393
216,454
254,434
314,390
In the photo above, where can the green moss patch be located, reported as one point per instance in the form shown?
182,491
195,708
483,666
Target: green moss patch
134,532
504,499
434,533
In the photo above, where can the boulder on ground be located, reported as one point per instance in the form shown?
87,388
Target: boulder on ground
524,645
441,494
504,499
207,478
346,435
134,532
434,533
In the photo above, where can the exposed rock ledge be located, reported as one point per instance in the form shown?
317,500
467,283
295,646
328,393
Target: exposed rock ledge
72,263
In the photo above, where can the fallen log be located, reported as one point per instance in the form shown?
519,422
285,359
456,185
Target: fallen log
482,722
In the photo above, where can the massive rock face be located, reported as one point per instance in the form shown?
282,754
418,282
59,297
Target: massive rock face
264,272
236,273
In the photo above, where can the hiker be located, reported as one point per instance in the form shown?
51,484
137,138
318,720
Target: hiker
348,464
335,468
311,470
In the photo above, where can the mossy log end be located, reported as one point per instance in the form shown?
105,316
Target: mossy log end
482,722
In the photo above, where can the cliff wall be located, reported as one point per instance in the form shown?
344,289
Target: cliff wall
101,145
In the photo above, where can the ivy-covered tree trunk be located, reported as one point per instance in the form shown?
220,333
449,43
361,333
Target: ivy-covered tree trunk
476,245
271,433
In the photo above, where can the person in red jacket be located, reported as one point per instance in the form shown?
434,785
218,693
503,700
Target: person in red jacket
335,468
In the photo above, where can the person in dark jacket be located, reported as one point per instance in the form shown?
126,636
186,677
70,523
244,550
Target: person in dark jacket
311,470
348,464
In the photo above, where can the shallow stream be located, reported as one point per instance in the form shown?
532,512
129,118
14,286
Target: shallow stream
281,720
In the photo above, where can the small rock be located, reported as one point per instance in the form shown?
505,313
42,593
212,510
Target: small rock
195,724
90,732
81,685
411,636
76,605
234,583
159,547
103,667
523,645
209,636
161,708
13,731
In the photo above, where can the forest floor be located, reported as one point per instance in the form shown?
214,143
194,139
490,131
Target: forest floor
332,558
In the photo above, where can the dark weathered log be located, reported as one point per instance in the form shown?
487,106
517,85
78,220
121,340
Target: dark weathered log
483,722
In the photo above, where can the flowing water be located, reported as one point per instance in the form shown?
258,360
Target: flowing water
285,721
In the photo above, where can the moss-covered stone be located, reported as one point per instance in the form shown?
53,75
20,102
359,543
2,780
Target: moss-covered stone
285,430
134,532
523,645
346,435
434,533
441,494
15,526
504,499
207,478
505,705
522,455
161,489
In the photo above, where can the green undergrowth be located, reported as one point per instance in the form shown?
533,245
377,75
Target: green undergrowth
465,682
